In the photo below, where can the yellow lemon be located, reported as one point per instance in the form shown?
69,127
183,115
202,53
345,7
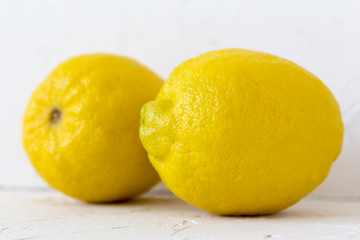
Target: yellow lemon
242,132
80,128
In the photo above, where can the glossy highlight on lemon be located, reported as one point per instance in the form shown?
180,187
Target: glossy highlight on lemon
240,132
80,128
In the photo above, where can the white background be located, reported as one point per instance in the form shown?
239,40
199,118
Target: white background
322,36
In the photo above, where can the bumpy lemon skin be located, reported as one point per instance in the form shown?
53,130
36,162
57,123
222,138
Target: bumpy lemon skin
92,151
239,132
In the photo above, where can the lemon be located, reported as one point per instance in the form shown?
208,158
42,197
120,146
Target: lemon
242,132
80,128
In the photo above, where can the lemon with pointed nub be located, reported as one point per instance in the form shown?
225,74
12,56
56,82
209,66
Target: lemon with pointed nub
80,128
242,132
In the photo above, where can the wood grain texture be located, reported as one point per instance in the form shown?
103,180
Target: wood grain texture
49,215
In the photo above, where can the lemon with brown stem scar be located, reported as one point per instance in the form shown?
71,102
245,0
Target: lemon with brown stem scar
80,128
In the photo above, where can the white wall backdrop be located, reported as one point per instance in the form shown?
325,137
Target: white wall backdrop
322,36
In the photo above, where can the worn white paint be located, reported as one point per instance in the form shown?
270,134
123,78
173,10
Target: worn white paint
49,215
323,36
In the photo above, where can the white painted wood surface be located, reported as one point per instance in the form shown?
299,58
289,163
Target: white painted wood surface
320,35
50,215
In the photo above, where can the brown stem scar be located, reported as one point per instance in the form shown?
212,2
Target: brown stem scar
55,116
